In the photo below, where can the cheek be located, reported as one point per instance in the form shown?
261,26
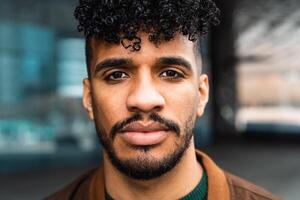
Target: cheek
182,101
109,108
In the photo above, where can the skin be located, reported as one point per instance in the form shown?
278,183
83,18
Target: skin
145,86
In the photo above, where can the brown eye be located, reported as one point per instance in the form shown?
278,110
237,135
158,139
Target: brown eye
171,74
117,75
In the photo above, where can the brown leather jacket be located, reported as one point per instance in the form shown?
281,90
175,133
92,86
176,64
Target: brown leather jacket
221,185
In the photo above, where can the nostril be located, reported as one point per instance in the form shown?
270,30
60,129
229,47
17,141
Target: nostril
143,102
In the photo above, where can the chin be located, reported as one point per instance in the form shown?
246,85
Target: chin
145,165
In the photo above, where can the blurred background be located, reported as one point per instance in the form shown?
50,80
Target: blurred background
251,126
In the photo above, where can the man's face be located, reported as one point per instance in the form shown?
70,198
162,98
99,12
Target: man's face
145,103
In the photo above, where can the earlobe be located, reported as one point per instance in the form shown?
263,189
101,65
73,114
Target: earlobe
87,98
203,89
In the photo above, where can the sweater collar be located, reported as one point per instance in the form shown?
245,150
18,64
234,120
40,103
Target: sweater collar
217,184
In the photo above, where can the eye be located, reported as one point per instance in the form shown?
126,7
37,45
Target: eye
171,74
115,76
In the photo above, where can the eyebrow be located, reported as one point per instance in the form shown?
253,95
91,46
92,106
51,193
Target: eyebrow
112,62
174,60
118,62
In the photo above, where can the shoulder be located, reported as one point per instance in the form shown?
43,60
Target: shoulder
242,189
77,189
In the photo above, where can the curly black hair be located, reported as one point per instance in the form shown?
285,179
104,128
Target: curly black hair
116,20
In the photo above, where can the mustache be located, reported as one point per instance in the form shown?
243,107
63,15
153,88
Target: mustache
169,124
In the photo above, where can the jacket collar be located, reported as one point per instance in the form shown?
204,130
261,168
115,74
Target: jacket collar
217,184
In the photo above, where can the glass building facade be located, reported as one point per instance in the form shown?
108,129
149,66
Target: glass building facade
42,65
267,46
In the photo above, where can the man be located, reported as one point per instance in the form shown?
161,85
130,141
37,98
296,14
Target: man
144,92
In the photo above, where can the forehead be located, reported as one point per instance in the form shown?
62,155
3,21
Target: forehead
149,52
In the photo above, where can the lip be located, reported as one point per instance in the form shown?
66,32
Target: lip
139,134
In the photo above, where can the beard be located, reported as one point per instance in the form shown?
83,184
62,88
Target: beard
144,166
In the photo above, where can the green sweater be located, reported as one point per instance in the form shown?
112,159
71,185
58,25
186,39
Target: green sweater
198,193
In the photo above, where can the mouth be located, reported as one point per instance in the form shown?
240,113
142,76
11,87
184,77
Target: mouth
138,134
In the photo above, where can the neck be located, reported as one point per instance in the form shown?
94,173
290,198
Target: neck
176,183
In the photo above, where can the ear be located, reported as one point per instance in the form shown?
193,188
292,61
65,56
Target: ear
87,98
203,89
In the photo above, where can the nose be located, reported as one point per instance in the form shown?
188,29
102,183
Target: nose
145,97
